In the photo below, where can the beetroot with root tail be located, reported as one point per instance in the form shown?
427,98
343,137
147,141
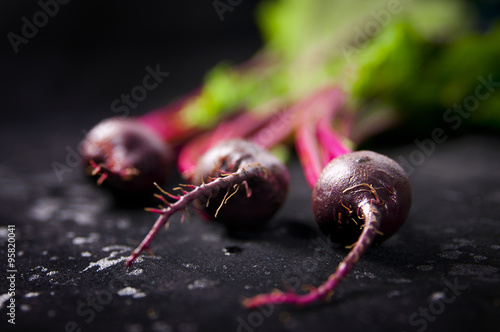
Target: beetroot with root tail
127,156
360,198
236,181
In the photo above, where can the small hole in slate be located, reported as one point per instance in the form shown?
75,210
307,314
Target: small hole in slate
230,250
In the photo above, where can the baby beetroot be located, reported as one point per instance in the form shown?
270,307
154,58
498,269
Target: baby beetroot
359,198
127,155
235,181
221,173
356,185
251,206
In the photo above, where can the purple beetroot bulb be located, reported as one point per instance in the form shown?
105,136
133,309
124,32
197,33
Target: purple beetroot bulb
257,200
127,155
350,181
360,198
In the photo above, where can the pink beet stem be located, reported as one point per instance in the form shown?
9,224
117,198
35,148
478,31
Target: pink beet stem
331,144
240,126
204,191
277,129
370,229
189,154
308,152
167,122
313,111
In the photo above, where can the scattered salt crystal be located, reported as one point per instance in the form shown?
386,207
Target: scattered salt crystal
129,291
33,277
135,272
93,237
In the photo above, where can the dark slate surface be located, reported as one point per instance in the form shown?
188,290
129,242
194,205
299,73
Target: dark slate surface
439,273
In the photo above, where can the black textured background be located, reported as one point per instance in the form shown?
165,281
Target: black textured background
71,238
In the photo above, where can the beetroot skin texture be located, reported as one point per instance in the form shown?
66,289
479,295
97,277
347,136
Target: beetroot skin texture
348,182
130,153
248,208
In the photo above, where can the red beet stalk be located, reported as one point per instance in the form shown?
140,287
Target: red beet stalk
314,126
168,123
